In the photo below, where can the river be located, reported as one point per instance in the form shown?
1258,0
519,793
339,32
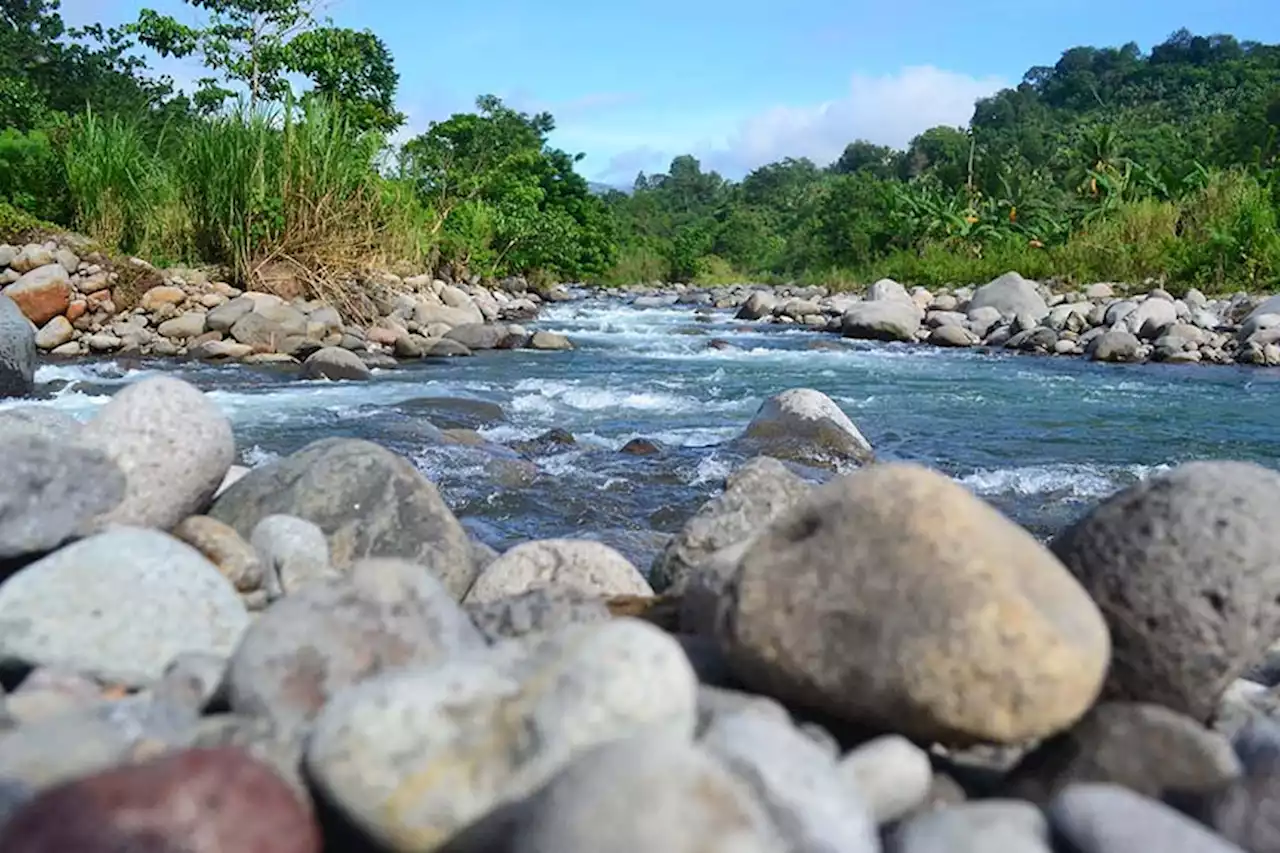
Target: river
1041,438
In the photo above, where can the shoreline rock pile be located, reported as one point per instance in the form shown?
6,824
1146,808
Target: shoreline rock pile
1012,313
318,653
83,306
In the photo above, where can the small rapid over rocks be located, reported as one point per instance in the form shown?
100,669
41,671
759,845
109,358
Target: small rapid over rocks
1042,439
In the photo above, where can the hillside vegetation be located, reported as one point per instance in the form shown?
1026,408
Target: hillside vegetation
1109,165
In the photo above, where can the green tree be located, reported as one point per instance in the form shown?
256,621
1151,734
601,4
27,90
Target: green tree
257,44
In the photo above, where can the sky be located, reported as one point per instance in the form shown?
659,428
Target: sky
737,83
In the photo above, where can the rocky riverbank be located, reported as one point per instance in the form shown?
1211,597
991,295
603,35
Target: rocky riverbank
56,302
1102,321
317,653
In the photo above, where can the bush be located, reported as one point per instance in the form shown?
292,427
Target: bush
1229,236
31,175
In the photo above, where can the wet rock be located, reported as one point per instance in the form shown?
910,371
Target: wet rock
888,320
692,805
551,441
1114,345
293,553
446,348
982,635
17,351
245,807
173,444
479,336
539,610
759,305
1007,826
1100,818
753,494
413,757
640,447
369,502
1144,747
455,412
1183,567
892,775
42,293
805,425
334,363
307,647
51,491
226,549
588,567
120,606
549,341
796,781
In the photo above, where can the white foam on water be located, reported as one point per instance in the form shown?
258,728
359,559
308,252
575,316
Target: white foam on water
547,396
1072,481
255,456
710,469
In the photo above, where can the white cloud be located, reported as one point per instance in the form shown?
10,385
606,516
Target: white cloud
887,110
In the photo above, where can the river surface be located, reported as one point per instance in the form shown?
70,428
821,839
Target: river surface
1042,438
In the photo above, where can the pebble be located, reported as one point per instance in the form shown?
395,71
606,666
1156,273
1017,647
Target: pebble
580,565
1146,748
414,756
173,444
1184,568
796,780
753,494
981,635
293,553
197,801
310,645
536,611
369,502
118,606
891,774
990,826
222,546
51,490
691,804
1103,818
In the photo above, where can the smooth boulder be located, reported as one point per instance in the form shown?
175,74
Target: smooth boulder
581,565
335,363
119,606
43,293
1184,568
415,756
17,351
1011,295
1115,345
173,444
980,633
885,320
1103,818
369,502
807,426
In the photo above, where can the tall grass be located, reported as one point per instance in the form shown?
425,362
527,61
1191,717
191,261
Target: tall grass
288,199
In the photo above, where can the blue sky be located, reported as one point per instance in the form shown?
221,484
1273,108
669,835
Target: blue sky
738,83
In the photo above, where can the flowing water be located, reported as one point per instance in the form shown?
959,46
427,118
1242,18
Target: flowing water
1042,438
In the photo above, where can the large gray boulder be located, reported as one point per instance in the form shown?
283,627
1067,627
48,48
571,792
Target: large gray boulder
883,320
1184,568
334,363
753,494
1011,295
17,351
369,502
805,425
1115,345
478,336
173,444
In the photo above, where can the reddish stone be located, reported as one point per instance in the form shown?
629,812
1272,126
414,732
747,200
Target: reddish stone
42,294
99,296
196,801
76,309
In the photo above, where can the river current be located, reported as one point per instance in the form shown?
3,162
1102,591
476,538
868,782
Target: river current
1041,438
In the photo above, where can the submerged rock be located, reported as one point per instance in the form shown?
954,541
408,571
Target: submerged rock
806,426
335,363
17,351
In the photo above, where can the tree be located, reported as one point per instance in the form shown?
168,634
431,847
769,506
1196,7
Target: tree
257,44
861,155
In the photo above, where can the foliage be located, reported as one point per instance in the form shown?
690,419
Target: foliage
257,44
31,176
504,200
1107,165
